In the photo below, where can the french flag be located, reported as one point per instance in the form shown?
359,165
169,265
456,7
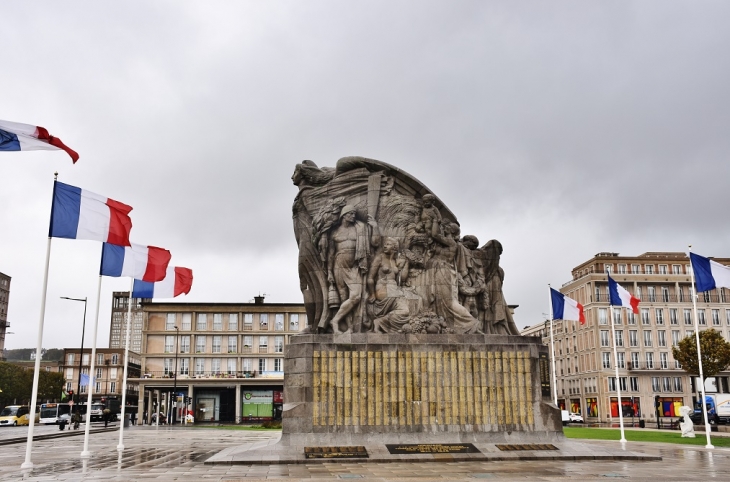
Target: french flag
146,263
621,297
565,308
24,137
177,282
80,214
709,274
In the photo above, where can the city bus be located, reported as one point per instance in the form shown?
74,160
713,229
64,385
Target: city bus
52,412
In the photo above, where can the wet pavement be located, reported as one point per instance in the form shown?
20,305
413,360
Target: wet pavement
170,454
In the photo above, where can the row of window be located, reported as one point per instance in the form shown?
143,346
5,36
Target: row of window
648,338
202,322
635,360
217,346
660,319
622,268
222,365
97,387
113,375
71,358
658,384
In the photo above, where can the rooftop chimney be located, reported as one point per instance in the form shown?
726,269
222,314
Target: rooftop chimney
258,300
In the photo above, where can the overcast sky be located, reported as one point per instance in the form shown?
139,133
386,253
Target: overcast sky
563,129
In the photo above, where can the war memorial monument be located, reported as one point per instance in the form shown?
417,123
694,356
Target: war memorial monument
411,349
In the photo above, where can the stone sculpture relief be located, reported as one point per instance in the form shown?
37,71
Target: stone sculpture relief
378,252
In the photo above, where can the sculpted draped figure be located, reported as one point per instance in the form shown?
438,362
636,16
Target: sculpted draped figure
379,252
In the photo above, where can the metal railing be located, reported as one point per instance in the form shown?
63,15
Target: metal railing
204,374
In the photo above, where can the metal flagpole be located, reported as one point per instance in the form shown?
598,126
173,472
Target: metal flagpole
699,356
618,383
85,454
552,346
120,447
39,347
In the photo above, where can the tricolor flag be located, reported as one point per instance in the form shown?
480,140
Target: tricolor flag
565,308
147,263
177,282
620,297
25,137
709,274
80,214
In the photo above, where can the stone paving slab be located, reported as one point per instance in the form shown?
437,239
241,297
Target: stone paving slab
273,452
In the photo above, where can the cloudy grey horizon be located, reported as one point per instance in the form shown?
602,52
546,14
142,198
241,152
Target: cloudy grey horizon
562,129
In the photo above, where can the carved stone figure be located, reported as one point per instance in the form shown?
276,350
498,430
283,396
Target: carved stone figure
688,428
423,279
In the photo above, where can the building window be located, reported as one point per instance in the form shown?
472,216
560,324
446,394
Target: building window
604,338
689,333
616,317
200,344
663,269
294,322
169,342
676,269
651,293
630,317
217,344
677,384
602,316
659,315
184,366
673,318
634,359
247,321
169,367
231,366
687,316
262,365
279,322
202,323
185,344
645,316
701,317
622,269
215,366
620,359
634,383
248,364
650,360
263,321
115,359
232,344
647,338
68,386
247,343
170,322
186,321
677,365
622,383
608,267
633,338
619,337
217,322
716,317
655,384
665,294
675,337
649,269
662,338
611,384
278,365
199,366
69,373
70,358
263,344
727,317
99,358
663,361
606,359
635,269
278,344
233,322
113,387
97,387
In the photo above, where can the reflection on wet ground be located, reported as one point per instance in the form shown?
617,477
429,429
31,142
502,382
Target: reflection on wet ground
180,453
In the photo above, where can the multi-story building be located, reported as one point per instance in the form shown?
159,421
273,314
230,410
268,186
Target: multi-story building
118,328
584,359
4,298
226,358
107,379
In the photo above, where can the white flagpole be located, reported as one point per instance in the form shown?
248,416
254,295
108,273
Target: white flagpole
552,346
699,356
618,382
27,465
120,447
85,454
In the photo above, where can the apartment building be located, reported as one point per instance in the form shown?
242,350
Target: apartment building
107,380
585,363
4,299
224,361
118,327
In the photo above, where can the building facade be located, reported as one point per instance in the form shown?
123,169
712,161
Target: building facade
118,327
585,363
107,380
4,299
225,361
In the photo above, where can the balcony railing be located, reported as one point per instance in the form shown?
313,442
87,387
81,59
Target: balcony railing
209,374
649,366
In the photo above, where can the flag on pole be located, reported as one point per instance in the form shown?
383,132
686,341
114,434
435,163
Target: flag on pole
621,297
85,380
565,308
80,214
709,274
147,263
24,137
64,395
178,281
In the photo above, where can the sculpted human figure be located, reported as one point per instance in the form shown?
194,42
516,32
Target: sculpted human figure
497,317
348,256
387,305
430,215
471,277
443,279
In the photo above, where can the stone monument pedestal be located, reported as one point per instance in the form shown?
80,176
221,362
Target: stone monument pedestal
366,388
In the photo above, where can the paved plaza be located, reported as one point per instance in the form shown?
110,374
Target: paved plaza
170,454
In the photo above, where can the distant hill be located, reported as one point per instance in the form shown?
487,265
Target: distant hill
23,354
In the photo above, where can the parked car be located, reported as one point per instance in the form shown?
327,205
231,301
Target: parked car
576,417
15,415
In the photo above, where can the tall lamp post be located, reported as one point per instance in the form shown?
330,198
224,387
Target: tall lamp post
174,383
81,355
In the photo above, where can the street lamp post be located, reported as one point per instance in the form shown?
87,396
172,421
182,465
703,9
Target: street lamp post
81,355
174,383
